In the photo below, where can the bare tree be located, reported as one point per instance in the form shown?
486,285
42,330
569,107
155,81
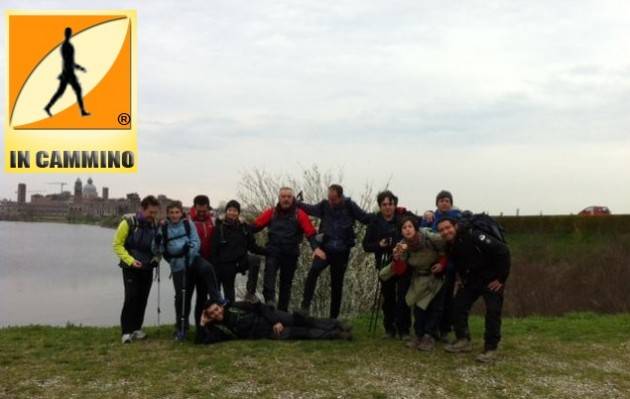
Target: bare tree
258,191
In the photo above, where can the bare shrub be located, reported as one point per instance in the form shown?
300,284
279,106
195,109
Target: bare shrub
258,191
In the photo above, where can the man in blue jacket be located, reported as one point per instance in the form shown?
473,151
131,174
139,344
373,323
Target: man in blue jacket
445,209
336,231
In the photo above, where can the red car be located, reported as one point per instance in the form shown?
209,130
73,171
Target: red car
595,211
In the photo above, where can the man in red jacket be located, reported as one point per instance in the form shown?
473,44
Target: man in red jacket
286,226
201,216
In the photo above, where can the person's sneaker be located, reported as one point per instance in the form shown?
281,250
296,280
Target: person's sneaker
427,343
126,338
251,298
487,356
138,335
413,343
461,345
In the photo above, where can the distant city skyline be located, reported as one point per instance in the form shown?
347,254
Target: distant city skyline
508,105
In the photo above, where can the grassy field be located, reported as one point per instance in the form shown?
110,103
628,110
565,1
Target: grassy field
575,356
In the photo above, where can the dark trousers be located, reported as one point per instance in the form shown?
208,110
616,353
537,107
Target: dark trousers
300,327
64,81
226,276
446,321
338,263
137,287
396,313
285,265
426,321
253,268
199,275
464,300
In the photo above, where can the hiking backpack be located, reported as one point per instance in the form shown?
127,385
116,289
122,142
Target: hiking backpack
483,222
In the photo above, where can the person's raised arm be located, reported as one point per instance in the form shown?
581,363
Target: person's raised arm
262,220
311,210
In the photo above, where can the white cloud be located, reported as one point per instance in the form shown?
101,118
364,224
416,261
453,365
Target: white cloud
529,101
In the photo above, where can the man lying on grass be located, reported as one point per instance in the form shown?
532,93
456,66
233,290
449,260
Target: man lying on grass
244,320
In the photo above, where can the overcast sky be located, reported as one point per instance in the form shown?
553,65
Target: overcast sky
507,104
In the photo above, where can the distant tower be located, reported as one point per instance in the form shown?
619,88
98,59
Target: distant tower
78,190
105,193
21,193
89,190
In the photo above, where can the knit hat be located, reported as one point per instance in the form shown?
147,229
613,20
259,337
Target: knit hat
444,194
233,204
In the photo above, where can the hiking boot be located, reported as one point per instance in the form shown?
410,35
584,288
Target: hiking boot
126,338
138,335
427,343
405,337
413,343
459,346
251,298
487,356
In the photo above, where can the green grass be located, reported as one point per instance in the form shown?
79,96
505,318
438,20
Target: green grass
576,356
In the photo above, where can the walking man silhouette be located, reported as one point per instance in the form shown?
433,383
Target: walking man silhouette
67,76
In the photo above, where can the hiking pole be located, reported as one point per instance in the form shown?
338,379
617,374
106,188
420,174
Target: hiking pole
182,332
157,278
374,313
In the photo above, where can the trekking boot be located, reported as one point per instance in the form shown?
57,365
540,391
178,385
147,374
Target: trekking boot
427,343
251,298
413,343
138,335
487,356
459,346
126,338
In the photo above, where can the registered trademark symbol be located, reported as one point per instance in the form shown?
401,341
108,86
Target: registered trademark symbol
124,118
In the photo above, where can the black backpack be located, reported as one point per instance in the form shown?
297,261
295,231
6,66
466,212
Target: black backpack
483,222
165,239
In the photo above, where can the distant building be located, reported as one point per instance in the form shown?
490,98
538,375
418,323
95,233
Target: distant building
78,190
89,190
83,203
21,199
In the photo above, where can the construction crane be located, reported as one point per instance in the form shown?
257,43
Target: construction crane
61,184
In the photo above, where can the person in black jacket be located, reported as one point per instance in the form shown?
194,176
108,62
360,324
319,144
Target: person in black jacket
245,320
482,263
336,231
231,241
381,237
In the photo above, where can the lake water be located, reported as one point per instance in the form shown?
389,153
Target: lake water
55,273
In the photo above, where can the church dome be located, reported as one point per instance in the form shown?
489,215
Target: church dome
89,190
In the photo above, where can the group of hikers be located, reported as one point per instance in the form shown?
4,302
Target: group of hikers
433,267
